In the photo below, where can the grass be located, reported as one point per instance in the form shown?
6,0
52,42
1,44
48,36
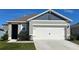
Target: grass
16,46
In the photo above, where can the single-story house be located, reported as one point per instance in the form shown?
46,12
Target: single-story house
46,25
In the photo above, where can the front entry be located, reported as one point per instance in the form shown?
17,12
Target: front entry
45,33
14,31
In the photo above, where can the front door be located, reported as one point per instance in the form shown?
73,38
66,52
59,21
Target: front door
14,31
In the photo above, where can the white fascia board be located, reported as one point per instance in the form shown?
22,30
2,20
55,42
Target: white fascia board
38,15
61,15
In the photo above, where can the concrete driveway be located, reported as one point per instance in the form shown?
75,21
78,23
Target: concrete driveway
55,45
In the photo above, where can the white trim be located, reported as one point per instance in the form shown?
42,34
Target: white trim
37,15
9,31
46,12
61,15
50,25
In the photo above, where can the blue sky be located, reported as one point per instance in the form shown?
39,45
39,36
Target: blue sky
9,14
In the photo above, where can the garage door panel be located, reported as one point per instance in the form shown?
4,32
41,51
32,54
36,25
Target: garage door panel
58,33
43,33
40,33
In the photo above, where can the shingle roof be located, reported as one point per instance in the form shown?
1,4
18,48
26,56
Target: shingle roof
23,18
30,17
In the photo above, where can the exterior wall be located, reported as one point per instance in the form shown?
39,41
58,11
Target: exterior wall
59,23
48,22
20,28
9,31
32,23
68,31
49,16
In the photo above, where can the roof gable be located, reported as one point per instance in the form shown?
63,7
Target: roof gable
47,15
50,15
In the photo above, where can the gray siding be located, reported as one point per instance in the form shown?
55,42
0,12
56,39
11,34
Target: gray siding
49,16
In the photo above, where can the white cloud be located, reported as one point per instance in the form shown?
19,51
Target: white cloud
68,10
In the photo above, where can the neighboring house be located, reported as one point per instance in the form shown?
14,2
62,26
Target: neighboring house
1,32
46,25
75,29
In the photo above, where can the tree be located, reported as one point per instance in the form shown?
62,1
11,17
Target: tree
1,29
5,36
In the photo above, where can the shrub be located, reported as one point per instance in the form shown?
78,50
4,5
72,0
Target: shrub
23,35
72,38
77,37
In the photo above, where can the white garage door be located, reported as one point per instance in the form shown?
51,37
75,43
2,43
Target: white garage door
43,33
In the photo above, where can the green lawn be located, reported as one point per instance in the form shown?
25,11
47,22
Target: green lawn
16,46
